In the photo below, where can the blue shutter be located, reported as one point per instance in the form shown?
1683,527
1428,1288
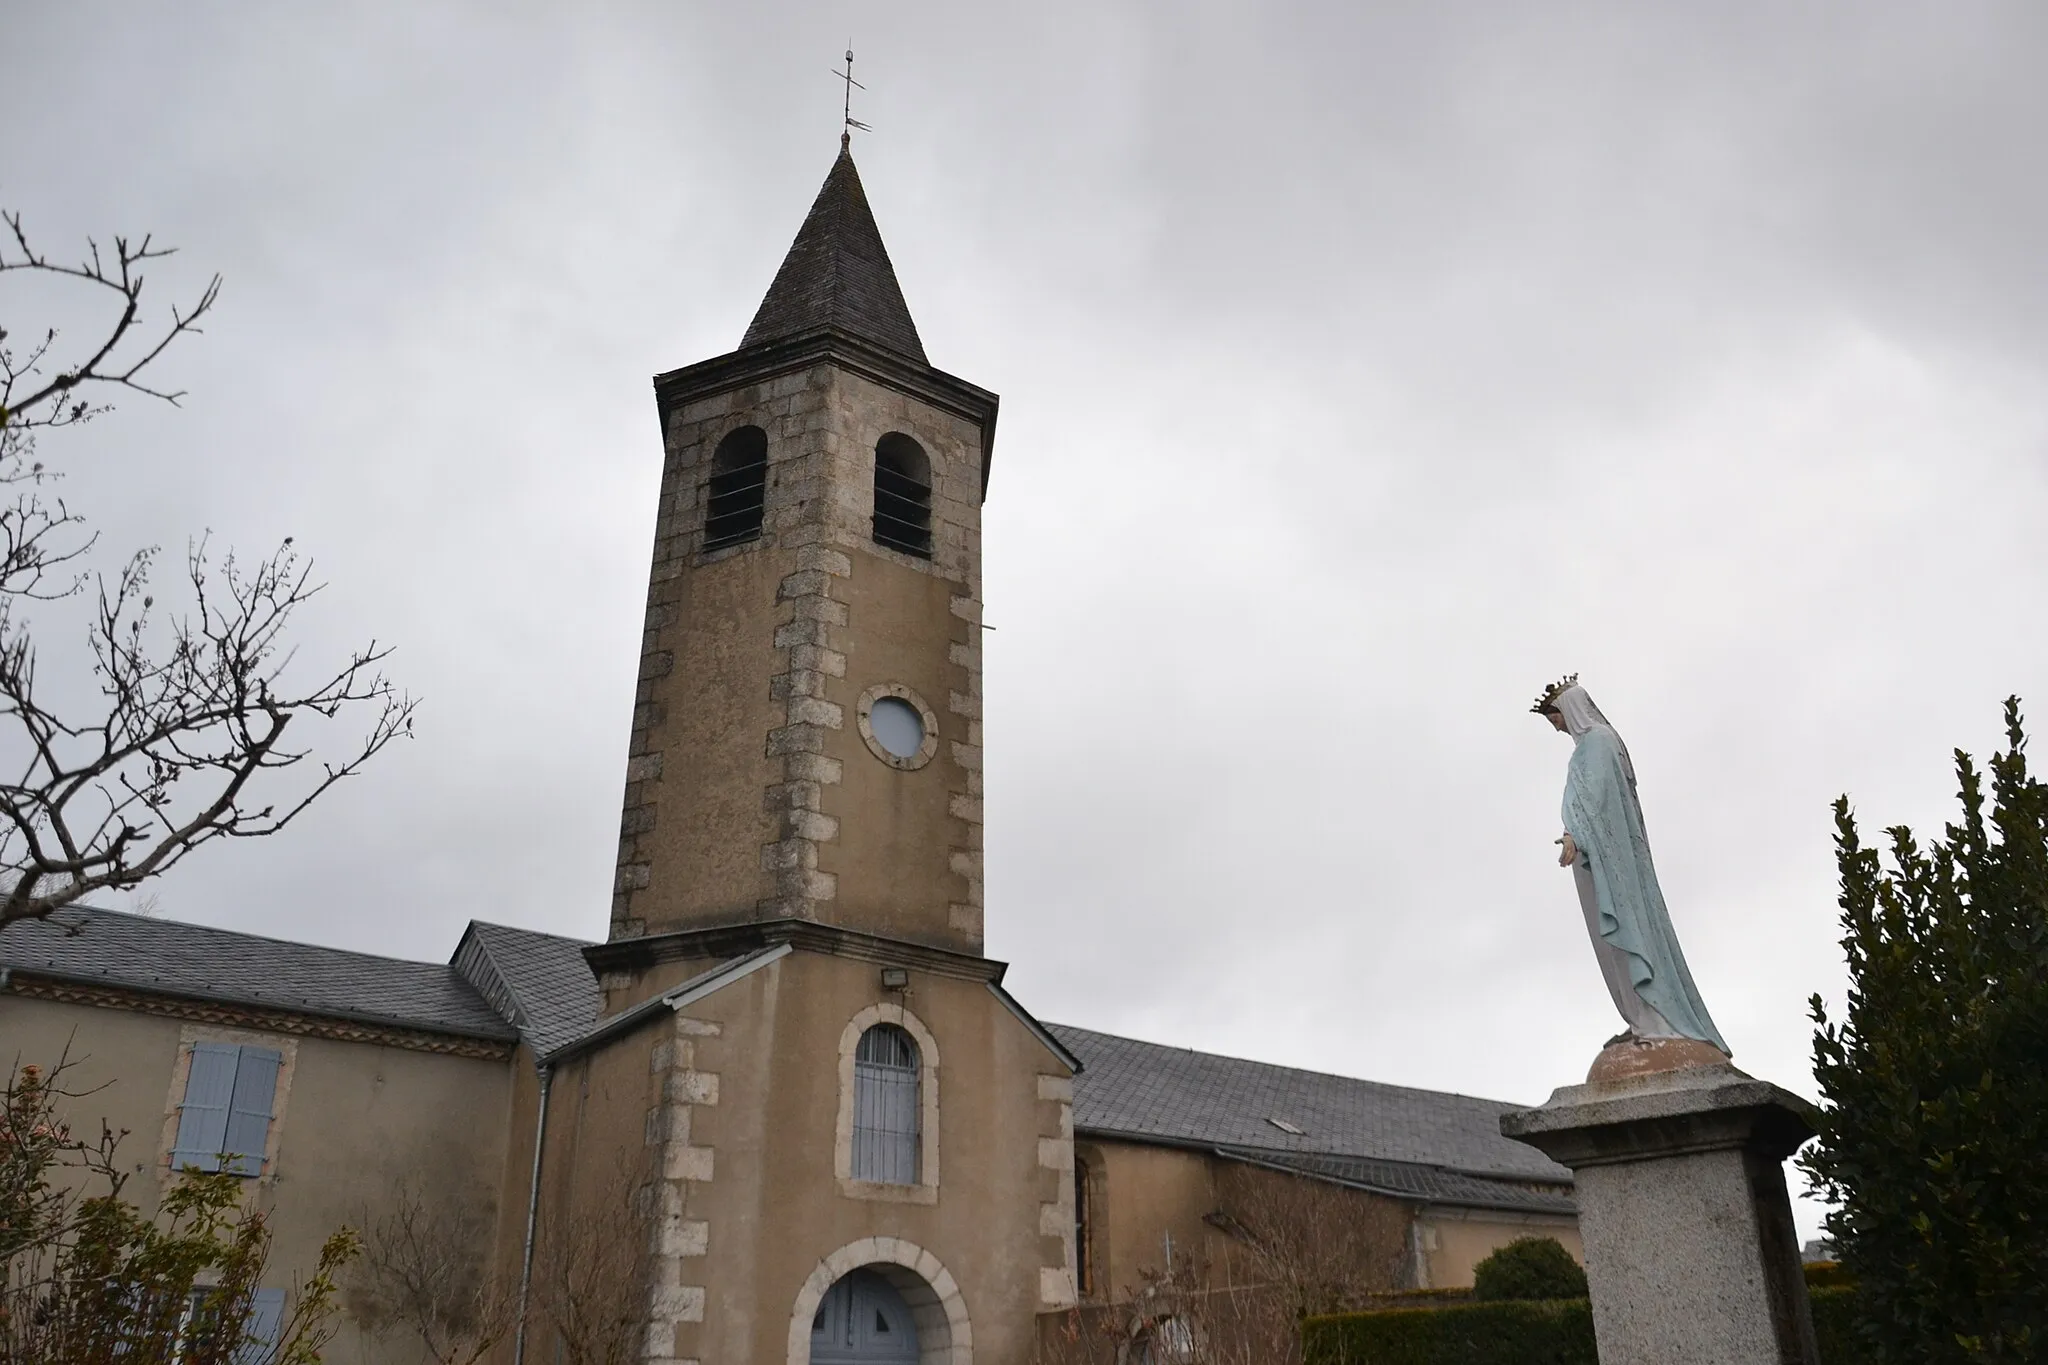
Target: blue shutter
266,1320
203,1116
248,1128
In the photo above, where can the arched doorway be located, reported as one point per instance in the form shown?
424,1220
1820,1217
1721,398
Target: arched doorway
862,1320
940,1334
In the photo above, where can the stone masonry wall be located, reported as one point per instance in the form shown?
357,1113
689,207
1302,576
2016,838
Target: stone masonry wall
1057,1288
682,1232
822,425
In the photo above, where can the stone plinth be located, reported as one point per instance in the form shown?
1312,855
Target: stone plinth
1690,1250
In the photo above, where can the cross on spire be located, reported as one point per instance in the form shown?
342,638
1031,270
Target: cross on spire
846,136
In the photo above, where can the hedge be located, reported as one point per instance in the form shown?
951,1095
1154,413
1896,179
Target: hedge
1558,1332
1834,1324
1507,1332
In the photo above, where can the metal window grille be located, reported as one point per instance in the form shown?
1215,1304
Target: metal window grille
903,511
886,1108
739,485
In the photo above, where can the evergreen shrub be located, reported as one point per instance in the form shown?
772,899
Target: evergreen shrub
1826,1275
1508,1332
1935,1077
1520,1332
1529,1268
1834,1324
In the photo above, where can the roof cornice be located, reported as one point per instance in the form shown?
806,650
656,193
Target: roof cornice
738,939
341,1026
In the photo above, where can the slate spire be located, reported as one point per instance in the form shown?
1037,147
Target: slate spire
837,274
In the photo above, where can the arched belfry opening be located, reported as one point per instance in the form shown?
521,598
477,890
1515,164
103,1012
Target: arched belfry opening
903,495
739,485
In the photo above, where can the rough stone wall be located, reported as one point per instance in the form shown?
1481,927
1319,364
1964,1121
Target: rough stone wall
864,411
822,426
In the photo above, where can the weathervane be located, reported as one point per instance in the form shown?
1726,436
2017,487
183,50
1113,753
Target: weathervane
845,138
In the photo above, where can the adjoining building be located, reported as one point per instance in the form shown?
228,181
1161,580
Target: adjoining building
786,1112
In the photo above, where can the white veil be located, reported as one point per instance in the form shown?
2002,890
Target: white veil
1578,710
1581,715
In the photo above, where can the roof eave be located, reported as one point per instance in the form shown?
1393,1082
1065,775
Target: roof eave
675,999
504,1034
1037,1030
1240,1154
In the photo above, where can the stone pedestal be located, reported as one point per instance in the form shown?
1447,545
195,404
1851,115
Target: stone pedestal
1690,1249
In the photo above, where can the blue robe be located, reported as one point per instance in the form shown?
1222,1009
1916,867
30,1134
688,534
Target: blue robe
1605,820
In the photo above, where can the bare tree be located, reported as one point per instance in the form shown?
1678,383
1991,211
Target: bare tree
589,1296
1326,1247
186,742
426,1270
1291,1246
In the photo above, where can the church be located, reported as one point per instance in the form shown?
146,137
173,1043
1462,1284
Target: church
786,1111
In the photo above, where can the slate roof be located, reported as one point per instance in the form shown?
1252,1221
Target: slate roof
507,983
837,274
1143,1090
538,981
110,947
1408,1180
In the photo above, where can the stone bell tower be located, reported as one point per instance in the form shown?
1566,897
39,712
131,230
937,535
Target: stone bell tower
806,738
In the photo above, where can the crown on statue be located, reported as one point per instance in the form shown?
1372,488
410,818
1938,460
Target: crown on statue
1547,702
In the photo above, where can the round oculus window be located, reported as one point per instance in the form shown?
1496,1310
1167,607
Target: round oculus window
898,726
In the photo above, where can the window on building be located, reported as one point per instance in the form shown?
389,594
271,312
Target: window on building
886,1110
1169,1341
202,1329
903,496
224,1119
739,482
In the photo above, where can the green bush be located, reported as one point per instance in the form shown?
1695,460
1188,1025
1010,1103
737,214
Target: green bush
1826,1275
1519,1332
1834,1324
1936,1096
1510,1332
1529,1268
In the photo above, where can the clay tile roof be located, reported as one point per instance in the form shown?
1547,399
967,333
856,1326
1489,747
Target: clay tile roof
837,275
1144,1091
143,953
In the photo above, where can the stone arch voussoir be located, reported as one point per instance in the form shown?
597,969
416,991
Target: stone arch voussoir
944,1334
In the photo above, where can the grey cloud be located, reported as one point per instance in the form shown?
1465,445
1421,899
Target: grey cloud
1363,367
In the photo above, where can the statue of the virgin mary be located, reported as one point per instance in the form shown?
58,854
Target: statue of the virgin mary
1608,852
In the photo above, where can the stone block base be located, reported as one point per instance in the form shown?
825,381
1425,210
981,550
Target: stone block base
1690,1250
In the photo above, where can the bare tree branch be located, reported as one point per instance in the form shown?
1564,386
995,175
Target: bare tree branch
590,1281
186,743
31,395
426,1268
193,715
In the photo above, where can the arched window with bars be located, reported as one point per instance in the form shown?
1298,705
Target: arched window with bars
903,495
739,482
886,1106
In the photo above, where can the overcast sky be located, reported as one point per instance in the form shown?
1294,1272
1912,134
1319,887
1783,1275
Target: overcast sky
1363,368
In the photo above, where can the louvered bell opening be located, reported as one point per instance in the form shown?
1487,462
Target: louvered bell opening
739,485
903,496
885,1107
